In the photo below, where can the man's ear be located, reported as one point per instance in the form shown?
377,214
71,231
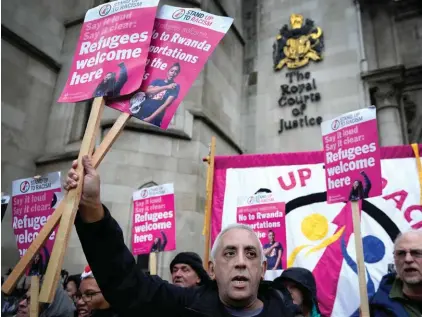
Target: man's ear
264,269
211,271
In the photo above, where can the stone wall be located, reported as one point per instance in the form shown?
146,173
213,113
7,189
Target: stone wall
392,41
337,76
32,38
26,92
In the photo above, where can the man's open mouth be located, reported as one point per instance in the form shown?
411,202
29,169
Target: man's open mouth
239,280
410,270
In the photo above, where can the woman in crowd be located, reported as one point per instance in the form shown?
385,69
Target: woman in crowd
301,284
91,299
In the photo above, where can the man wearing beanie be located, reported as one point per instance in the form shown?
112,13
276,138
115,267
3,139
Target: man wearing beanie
187,271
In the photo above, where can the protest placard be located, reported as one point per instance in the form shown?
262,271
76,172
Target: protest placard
353,172
266,215
153,225
33,202
182,41
352,156
110,56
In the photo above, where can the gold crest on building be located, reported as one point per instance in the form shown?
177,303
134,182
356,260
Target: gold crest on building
296,46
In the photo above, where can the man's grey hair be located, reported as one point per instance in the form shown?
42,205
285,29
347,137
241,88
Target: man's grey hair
410,231
217,241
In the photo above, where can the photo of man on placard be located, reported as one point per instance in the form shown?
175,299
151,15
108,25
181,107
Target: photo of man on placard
110,86
159,95
273,251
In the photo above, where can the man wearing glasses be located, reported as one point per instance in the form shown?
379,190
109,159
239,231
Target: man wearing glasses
62,305
400,294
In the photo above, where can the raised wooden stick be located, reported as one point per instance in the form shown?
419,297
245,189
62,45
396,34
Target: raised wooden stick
72,199
153,263
54,219
110,137
208,203
34,305
364,305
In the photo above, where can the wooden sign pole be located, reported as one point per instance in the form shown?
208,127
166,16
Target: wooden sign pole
72,199
208,204
364,305
153,263
34,305
54,219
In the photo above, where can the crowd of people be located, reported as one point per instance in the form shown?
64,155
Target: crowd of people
233,286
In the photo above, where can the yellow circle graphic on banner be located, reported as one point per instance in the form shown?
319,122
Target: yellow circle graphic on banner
315,227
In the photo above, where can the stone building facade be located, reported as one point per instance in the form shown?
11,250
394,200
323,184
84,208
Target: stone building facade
372,55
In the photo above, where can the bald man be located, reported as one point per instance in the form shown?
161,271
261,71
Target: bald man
400,294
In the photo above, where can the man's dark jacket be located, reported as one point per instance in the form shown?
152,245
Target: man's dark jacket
132,293
382,305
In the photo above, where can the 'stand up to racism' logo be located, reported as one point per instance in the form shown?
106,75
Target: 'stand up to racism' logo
144,193
335,124
105,10
24,186
251,200
178,14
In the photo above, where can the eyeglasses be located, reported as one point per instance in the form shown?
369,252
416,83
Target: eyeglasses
414,253
87,297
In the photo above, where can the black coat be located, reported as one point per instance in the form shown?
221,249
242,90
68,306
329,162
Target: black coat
132,293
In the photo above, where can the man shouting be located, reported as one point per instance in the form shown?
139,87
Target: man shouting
238,265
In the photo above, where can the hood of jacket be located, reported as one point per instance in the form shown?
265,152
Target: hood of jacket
303,278
62,305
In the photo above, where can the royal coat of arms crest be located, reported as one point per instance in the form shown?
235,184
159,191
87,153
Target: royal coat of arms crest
296,46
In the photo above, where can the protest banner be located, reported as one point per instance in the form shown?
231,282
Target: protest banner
182,41
33,202
352,156
265,214
153,225
110,55
4,203
353,172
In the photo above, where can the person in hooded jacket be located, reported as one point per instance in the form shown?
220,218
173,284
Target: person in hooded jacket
302,286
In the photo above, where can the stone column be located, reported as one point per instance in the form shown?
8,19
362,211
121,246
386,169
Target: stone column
385,86
390,130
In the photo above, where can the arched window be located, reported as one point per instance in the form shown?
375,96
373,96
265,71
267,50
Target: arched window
142,260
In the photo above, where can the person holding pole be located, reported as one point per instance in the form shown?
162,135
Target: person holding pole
400,294
238,265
